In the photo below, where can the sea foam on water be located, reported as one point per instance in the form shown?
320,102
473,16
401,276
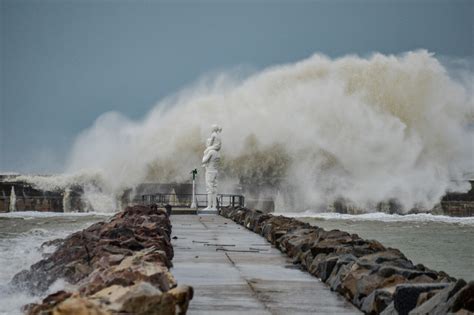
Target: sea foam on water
365,129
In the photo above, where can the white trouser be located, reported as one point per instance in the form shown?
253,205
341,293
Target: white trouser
211,182
211,188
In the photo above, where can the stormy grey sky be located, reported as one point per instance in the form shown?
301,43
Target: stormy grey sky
65,62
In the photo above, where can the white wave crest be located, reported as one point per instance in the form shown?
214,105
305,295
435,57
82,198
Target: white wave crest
365,129
383,217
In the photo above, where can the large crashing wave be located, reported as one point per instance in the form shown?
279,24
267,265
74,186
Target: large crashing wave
367,130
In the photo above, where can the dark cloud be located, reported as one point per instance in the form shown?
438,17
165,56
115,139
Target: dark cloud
63,63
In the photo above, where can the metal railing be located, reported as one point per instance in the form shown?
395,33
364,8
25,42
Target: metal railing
185,200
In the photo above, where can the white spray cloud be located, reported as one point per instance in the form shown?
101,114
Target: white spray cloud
366,129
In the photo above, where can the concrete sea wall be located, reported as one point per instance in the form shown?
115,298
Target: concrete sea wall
29,198
118,267
376,279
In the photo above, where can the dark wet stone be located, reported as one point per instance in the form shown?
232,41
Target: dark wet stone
389,310
464,299
406,295
444,300
376,302
323,265
387,271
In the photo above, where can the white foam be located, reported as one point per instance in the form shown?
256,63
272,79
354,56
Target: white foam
67,200
12,206
383,217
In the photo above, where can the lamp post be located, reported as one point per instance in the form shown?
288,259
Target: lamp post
193,202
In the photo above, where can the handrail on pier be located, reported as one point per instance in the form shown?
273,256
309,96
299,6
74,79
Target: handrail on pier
185,200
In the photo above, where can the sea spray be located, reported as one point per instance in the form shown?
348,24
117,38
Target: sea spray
364,129
67,207
279,202
12,206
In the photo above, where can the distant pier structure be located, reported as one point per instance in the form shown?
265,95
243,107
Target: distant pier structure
458,204
16,195
21,196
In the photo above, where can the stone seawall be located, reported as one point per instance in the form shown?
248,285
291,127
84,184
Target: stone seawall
117,267
29,198
376,279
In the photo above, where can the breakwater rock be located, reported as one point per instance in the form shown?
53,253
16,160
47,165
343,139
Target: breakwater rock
376,279
116,267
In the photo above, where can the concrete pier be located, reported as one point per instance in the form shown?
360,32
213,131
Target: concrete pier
235,271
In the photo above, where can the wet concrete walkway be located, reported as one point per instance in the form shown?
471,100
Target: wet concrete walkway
235,271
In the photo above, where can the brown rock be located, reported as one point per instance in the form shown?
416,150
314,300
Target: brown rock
376,302
182,296
140,298
120,266
322,266
78,306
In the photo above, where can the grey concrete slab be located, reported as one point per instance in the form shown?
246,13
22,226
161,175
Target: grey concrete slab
235,271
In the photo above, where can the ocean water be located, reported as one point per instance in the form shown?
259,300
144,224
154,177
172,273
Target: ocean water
21,236
439,242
